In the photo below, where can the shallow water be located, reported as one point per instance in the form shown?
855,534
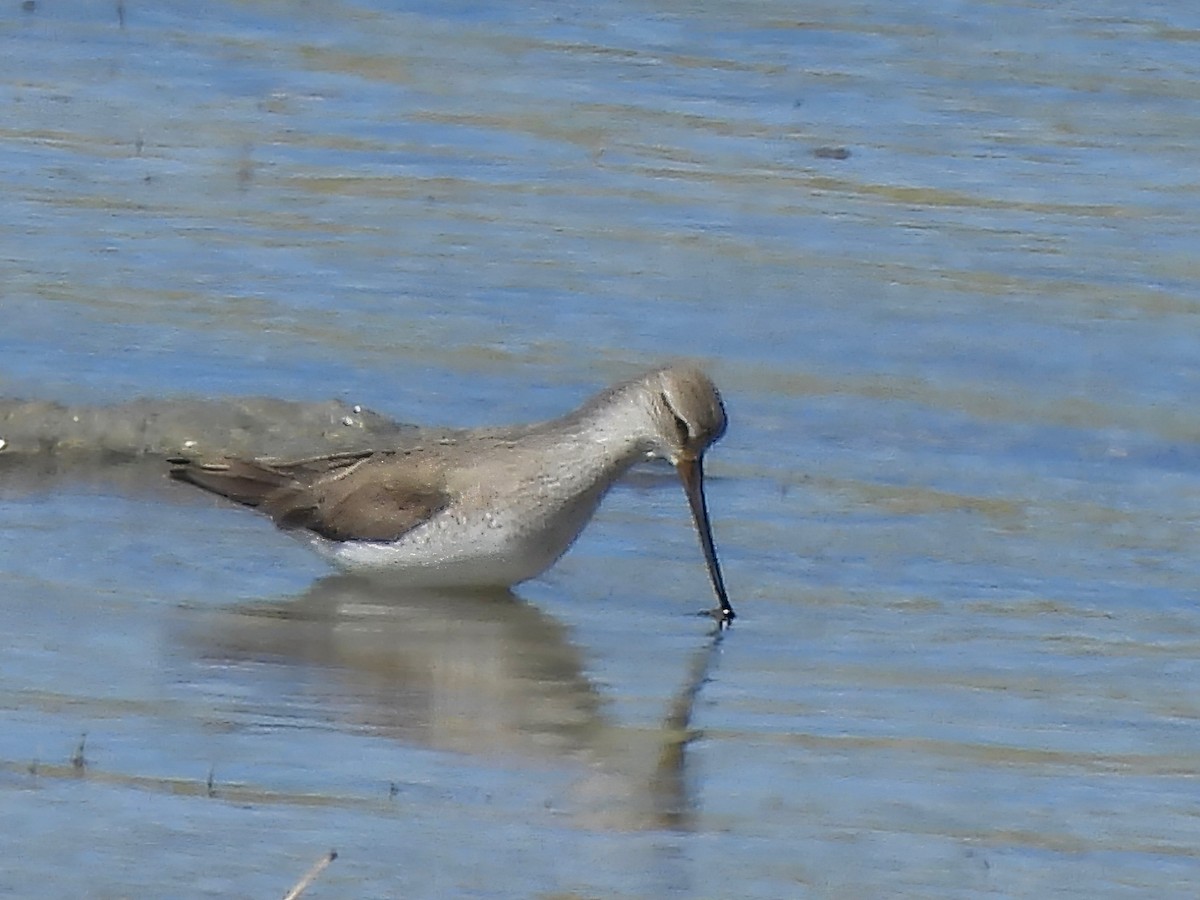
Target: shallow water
955,505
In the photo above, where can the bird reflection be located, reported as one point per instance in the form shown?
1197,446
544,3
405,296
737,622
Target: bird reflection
480,674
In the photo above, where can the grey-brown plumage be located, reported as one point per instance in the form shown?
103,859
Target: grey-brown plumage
367,496
484,506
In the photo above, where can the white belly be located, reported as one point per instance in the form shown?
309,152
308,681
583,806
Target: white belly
489,550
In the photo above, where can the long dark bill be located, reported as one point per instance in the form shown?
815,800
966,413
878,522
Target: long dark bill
691,473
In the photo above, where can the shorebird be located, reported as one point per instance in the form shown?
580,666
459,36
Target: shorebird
490,506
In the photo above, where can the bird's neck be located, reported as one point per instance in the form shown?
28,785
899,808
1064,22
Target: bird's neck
597,443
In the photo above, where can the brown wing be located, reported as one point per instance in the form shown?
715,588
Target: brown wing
370,503
314,467
244,481
359,496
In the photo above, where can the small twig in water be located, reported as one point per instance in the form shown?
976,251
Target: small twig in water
79,761
310,876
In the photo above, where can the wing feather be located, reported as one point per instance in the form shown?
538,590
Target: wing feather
349,496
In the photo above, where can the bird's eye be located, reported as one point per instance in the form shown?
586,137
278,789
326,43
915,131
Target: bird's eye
682,428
